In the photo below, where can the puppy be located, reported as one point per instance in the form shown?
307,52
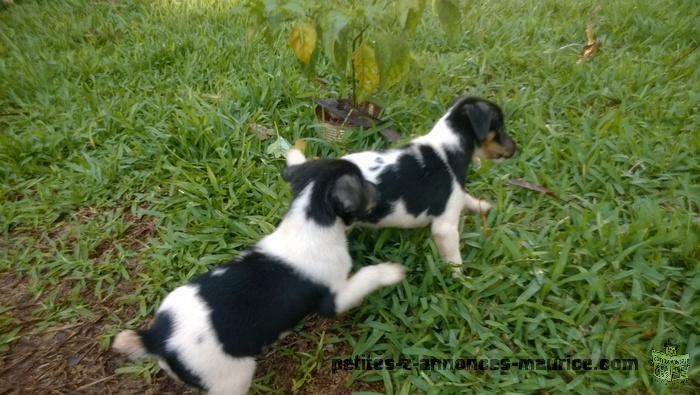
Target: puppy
208,331
423,182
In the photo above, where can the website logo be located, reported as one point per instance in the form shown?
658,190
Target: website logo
670,367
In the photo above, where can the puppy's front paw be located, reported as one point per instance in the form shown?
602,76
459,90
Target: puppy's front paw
476,205
457,270
390,273
483,206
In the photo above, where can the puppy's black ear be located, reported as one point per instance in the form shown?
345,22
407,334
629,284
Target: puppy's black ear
288,172
298,176
480,115
348,196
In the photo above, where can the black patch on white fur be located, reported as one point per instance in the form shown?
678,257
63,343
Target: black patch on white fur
459,164
154,340
423,183
327,203
256,299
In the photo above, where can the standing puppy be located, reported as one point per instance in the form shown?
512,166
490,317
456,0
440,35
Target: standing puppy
208,331
423,182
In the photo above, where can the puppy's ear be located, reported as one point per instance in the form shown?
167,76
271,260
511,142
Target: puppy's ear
288,173
348,196
298,176
480,116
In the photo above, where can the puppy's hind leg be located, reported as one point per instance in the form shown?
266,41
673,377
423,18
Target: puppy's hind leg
475,205
364,282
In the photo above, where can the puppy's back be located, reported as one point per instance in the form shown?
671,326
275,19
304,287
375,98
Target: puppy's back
239,307
254,299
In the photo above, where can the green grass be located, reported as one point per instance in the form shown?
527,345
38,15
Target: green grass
142,108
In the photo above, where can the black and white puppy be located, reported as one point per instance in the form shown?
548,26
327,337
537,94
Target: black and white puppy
423,182
208,331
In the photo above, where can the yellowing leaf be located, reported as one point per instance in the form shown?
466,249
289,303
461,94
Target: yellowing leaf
450,17
302,39
366,71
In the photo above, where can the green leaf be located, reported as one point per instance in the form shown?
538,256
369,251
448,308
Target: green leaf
411,12
393,59
335,38
531,290
302,39
212,178
278,148
366,71
450,17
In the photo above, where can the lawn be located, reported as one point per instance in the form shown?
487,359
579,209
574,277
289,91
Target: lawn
128,165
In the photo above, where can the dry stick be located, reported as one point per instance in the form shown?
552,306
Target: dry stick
69,326
22,306
82,387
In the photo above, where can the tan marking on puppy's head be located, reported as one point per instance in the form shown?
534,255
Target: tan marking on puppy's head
495,146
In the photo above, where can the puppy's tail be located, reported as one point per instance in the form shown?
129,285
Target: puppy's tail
295,157
130,344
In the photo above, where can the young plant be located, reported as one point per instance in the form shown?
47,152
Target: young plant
366,43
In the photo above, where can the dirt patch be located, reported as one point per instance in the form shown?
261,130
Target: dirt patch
137,232
16,297
65,358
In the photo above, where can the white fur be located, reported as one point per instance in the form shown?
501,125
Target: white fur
129,344
365,281
367,160
400,218
205,358
439,135
320,253
295,157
